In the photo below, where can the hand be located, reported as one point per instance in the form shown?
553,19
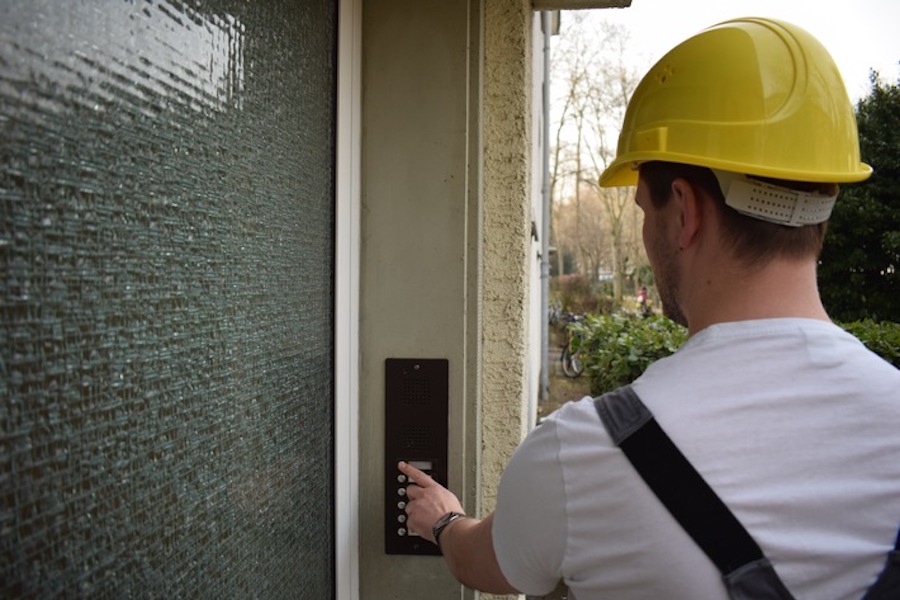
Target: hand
427,501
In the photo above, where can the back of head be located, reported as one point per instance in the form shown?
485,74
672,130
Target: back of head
751,96
752,239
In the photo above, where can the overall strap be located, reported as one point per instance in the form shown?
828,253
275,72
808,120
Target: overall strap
701,513
887,587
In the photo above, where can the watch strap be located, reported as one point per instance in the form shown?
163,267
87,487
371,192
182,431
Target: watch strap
442,523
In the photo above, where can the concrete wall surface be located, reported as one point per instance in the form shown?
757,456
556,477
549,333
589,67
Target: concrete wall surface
445,247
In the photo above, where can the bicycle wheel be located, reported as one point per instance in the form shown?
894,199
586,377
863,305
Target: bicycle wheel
572,366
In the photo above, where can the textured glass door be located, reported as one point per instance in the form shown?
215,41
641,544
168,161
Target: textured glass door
166,296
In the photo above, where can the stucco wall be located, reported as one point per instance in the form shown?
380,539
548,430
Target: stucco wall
506,234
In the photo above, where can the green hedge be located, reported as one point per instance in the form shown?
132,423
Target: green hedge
617,348
881,338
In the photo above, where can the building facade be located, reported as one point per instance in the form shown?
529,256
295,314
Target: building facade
220,223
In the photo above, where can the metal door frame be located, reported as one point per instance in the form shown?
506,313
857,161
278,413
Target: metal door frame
346,309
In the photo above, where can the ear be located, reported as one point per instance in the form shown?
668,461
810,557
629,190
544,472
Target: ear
688,202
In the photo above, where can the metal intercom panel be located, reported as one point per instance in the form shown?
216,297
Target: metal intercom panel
416,398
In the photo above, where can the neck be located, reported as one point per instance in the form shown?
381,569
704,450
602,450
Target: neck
727,292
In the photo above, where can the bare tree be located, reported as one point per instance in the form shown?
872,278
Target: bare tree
594,222
594,83
571,72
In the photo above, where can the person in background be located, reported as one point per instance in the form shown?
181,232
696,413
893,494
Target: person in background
737,140
643,301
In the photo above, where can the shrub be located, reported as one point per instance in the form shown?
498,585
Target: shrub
617,348
881,338
573,293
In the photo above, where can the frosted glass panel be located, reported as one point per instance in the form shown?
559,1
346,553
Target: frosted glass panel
166,267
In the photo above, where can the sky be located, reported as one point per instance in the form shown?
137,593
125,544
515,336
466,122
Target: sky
860,34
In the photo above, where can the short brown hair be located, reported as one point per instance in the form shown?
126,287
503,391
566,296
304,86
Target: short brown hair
754,241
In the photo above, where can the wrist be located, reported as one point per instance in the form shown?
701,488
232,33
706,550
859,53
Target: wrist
442,524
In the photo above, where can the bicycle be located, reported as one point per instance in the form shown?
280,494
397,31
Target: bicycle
570,357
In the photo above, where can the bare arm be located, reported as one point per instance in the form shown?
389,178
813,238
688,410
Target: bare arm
467,543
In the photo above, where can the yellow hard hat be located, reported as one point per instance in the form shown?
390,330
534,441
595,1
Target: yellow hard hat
754,96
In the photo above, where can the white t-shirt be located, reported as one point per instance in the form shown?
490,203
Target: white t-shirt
793,423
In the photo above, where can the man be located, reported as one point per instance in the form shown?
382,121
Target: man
737,140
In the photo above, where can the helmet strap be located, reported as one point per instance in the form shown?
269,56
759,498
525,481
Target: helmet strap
773,203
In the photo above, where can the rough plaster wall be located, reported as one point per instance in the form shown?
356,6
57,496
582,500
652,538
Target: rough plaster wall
506,234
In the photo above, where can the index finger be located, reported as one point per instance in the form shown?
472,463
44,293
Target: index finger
416,476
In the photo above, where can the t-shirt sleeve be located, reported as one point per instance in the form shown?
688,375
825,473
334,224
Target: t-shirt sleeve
529,529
